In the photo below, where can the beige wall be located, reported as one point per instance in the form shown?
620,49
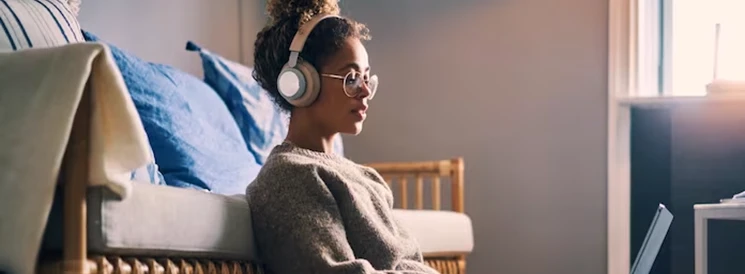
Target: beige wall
519,89
157,31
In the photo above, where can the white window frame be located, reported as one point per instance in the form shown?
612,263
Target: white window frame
633,80
621,64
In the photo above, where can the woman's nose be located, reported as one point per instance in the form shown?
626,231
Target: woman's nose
364,90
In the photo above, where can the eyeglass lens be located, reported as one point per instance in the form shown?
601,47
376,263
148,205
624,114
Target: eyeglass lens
353,84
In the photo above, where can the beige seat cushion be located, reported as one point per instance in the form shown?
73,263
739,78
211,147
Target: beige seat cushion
439,232
158,220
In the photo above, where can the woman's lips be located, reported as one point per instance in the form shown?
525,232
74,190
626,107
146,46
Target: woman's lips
362,109
360,112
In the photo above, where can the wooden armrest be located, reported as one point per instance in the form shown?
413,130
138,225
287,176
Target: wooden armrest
399,173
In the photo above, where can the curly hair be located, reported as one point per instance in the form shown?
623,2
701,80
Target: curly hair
271,49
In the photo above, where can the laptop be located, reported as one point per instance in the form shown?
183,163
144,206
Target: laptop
653,241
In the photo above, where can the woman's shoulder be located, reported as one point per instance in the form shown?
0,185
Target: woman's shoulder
281,165
288,166
285,177
288,156
285,165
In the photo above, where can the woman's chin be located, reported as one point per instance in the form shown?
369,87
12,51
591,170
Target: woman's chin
353,129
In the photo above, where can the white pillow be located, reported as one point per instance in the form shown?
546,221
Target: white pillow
33,24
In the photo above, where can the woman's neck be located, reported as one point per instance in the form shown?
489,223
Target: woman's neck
305,134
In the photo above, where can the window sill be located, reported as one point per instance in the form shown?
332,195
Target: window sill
672,101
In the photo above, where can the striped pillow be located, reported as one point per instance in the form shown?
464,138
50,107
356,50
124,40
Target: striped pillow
74,6
37,23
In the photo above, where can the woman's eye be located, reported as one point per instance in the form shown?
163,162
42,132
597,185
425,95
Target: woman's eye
352,79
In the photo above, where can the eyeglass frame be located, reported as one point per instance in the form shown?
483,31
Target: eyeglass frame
344,85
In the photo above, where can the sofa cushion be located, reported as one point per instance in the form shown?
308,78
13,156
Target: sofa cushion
262,124
195,140
158,220
438,232
167,221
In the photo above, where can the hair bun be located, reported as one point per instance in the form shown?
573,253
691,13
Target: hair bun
304,9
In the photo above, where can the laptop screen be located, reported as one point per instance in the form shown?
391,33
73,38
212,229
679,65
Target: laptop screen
653,241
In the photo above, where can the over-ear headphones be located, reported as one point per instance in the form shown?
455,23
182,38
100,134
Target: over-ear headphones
298,82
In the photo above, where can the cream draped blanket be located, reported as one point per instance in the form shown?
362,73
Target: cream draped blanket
40,90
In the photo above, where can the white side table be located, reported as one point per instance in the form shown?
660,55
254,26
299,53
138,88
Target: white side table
702,214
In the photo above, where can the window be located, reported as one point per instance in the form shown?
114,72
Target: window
662,53
685,46
707,44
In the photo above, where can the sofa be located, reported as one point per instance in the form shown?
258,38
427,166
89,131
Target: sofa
108,184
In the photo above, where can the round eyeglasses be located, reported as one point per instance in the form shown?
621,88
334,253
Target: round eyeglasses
353,83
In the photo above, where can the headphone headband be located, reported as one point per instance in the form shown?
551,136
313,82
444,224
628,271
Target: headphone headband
298,42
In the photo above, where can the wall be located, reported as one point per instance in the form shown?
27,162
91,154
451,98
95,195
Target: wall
518,88
157,31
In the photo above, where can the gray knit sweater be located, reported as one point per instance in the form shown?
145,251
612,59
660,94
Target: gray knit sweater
315,212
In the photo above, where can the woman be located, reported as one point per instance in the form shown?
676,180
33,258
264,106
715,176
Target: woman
315,211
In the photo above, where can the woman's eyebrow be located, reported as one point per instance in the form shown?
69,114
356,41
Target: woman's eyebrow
354,66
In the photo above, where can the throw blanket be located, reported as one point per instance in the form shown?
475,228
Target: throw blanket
40,90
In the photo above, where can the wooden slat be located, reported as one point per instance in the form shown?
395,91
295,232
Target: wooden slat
154,266
184,267
448,265
419,191
453,169
403,188
444,254
209,267
137,266
412,167
436,192
120,266
456,181
462,264
199,268
103,265
169,266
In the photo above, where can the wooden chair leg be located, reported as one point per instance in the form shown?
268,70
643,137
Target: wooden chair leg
75,170
462,264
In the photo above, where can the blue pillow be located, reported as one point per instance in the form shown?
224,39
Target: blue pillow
195,140
262,124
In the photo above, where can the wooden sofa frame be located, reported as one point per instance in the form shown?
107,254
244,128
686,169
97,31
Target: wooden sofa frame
76,258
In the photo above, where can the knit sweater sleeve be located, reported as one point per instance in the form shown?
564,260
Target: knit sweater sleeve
298,226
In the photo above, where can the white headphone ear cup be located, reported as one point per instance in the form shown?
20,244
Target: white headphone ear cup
291,83
312,84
